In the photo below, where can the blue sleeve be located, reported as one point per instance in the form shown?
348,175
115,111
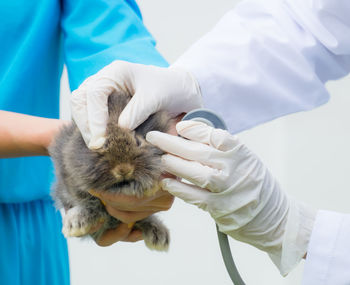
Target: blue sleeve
97,32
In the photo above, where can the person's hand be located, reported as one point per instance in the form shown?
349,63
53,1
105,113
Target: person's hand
153,89
234,186
129,209
124,232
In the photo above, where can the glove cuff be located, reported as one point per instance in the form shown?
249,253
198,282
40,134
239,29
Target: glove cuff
296,237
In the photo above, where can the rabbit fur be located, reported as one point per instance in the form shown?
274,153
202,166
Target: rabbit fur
125,164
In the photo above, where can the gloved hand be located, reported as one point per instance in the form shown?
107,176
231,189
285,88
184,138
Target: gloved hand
234,186
153,89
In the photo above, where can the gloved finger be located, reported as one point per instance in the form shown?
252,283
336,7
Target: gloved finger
97,109
189,193
201,132
193,171
137,111
184,148
79,112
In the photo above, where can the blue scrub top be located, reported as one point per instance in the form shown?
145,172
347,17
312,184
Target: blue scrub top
37,37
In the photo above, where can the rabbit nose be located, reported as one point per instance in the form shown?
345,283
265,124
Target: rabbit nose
123,170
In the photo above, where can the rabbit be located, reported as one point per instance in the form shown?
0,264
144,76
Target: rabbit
126,164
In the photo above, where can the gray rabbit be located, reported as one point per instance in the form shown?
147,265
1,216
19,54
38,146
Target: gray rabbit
126,164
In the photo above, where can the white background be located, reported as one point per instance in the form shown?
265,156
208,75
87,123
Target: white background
307,152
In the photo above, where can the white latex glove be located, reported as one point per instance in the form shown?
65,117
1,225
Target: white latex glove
153,89
234,186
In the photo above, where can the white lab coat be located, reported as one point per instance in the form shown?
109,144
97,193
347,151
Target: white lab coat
266,59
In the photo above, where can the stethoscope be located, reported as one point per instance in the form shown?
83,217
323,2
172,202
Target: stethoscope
210,118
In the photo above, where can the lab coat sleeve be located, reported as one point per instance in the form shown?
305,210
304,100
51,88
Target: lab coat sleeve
97,32
266,59
328,259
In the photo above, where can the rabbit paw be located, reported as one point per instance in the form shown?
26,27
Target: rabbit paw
76,223
157,239
156,236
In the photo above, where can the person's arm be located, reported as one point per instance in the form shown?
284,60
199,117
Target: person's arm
247,203
234,186
266,59
24,135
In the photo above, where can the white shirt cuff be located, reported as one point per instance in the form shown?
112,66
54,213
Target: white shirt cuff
328,257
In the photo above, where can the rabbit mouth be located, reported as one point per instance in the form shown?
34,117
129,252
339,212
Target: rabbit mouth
128,187
123,184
